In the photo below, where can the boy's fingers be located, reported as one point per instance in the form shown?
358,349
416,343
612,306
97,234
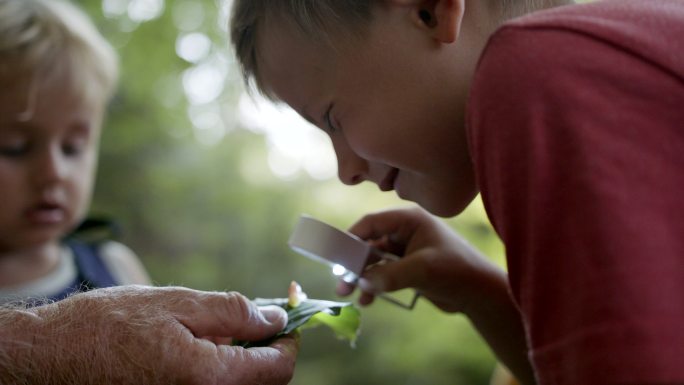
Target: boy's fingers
397,225
402,274
344,289
374,226
366,298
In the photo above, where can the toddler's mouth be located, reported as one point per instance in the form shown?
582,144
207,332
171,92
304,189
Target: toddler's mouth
46,214
387,184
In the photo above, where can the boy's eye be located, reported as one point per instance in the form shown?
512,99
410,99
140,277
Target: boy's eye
328,120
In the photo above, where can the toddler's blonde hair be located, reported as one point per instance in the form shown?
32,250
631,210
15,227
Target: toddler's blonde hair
42,41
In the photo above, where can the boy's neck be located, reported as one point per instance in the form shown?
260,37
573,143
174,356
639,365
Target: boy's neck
525,7
17,267
483,18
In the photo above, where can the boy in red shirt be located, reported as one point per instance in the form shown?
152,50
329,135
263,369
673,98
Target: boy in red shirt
568,121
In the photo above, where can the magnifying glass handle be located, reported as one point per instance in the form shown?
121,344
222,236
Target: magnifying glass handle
406,305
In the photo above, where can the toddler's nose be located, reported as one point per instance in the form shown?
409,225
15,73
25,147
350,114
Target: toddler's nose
50,167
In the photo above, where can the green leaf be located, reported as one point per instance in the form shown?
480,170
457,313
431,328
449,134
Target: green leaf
345,325
341,317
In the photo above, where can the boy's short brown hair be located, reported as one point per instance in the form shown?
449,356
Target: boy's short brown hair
317,19
45,40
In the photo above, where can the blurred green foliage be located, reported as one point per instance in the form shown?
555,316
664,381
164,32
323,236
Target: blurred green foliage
214,217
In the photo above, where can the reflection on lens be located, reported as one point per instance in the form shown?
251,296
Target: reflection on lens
339,270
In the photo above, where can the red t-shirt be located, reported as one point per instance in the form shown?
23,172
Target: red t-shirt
576,129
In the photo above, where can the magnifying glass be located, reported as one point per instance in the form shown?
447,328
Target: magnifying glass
344,252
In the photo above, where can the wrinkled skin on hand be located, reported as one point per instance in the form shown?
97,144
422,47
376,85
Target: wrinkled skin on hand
435,260
146,335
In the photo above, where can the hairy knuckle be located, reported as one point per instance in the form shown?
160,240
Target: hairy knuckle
239,306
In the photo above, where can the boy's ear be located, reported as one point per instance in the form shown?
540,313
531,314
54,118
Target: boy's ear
441,17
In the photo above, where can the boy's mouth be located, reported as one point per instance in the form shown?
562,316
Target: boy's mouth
387,184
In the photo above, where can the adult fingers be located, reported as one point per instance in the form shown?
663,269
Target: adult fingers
230,315
273,364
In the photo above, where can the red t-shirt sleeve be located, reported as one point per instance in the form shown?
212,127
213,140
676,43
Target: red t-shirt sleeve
578,146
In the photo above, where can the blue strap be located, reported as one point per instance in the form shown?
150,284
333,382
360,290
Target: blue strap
92,270
75,287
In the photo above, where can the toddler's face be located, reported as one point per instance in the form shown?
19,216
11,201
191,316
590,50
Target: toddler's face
47,163
392,103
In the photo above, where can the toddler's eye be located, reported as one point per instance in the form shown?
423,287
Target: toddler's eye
14,150
74,147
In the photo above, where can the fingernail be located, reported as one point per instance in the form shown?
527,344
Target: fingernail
273,314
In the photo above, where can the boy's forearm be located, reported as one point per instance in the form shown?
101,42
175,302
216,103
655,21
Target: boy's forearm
499,322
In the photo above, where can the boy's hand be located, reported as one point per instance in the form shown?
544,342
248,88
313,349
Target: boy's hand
445,269
145,335
437,262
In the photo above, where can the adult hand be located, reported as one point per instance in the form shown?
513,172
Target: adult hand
436,261
145,335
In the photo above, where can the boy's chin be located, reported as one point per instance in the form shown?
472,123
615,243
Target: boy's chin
448,209
443,211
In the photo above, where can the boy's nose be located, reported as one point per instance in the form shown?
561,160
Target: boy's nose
351,168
